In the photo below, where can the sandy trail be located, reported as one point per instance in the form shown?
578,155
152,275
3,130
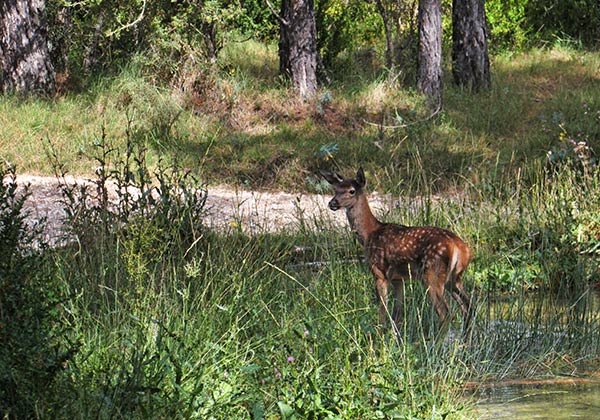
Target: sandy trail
253,212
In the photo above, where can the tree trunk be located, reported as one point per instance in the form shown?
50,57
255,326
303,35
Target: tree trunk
26,64
211,41
389,37
470,61
298,45
92,52
429,71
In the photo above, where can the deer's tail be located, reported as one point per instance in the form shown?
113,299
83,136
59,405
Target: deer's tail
451,274
459,260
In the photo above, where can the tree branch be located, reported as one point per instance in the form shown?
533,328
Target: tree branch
130,24
277,15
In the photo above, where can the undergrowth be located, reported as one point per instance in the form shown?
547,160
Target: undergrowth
233,123
143,312
147,313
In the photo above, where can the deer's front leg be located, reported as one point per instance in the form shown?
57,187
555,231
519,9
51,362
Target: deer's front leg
381,285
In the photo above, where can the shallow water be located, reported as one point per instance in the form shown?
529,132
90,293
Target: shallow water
543,322
555,402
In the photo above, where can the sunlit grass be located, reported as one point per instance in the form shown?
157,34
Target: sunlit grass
237,121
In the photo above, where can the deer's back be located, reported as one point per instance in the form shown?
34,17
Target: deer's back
397,246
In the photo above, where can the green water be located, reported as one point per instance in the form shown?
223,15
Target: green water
552,402
542,322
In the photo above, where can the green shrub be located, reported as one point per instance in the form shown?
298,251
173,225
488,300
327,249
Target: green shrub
507,24
554,19
34,342
154,215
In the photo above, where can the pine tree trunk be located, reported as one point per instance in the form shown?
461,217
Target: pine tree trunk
298,46
470,61
429,71
24,55
284,40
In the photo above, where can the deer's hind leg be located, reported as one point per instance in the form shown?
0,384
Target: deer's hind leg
435,278
398,312
462,298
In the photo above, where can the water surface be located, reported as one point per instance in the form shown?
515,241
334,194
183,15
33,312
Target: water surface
548,401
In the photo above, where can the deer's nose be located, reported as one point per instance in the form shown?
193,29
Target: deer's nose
334,205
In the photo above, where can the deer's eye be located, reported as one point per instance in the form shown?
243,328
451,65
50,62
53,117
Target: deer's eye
351,192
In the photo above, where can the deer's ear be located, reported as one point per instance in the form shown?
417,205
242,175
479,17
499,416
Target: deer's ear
360,177
331,177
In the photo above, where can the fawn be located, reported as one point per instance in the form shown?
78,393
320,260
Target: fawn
395,253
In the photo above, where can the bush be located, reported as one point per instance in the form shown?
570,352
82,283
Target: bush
517,23
507,23
150,216
575,19
32,357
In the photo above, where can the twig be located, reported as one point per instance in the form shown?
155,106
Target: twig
130,24
394,127
277,15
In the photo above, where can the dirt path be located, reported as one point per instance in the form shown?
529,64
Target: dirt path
253,212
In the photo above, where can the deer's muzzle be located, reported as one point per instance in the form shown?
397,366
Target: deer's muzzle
334,205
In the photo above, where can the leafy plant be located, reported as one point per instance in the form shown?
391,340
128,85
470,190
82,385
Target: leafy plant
152,212
578,20
507,21
35,346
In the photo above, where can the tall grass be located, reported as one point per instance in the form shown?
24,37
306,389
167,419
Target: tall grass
154,315
164,318
534,277
234,334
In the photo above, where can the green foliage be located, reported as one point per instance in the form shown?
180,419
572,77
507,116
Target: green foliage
518,24
556,19
155,214
94,35
507,23
35,345
542,232
345,26
168,39
544,236
258,21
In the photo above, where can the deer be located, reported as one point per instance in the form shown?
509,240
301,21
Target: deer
396,253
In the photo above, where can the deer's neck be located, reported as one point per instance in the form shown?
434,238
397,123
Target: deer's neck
361,219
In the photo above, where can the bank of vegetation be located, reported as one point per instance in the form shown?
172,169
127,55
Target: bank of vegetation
144,312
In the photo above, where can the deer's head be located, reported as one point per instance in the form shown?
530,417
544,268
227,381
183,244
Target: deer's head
347,190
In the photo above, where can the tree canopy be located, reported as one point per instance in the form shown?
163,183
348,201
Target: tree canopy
93,36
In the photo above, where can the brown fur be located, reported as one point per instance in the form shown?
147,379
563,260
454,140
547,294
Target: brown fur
396,253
